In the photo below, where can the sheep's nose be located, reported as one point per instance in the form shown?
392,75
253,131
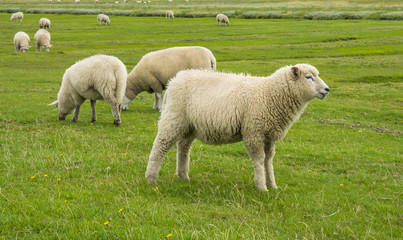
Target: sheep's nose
327,89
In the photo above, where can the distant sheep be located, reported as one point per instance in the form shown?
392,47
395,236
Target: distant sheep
222,18
154,70
21,42
77,1
44,23
42,38
169,14
220,108
59,1
17,15
103,18
50,1
99,77
96,1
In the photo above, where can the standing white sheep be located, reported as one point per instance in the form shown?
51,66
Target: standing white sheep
222,18
103,18
44,23
99,77
17,15
59,1
169,14
220,108
77,1
154,70
21,42
42,38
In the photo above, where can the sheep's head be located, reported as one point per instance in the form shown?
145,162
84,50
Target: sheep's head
46,47
25,48
125,103
64,109
310,85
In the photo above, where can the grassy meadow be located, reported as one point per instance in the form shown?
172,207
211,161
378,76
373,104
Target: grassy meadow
339,169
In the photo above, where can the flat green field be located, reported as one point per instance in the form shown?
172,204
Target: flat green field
339,169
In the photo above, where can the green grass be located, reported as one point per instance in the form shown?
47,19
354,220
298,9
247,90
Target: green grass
65,180
276,9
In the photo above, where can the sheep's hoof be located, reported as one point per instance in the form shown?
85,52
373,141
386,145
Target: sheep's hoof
273,186
262,187
117,123
151,179
184,177
74,120
62,118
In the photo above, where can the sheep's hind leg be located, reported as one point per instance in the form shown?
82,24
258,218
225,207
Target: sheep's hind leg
94,113
116,113
269,149
257,155
75,118
182,157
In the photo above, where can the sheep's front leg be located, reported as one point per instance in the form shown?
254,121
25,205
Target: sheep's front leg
158,101
75,118
94,113
269,149
182,157
257,155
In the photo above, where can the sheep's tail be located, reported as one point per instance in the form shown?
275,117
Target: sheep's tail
121,78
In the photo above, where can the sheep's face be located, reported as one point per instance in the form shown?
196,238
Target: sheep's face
46,47
25,48
64,110
309,82
125,103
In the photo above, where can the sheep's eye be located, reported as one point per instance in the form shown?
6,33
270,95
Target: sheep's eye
309,77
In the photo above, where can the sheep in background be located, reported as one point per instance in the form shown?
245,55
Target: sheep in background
77,1
42,38
59,1
99,77
50,1
44,23
154,70
21,42
96,1
222,18
169,14
103,18
17,15
220,108
116,2
171,1
125,1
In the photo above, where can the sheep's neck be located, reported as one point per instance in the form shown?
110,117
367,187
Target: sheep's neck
134,86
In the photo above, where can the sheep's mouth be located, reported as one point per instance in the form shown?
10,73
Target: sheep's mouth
321,95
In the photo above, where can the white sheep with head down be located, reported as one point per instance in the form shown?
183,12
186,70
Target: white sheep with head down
44,23
99,77
220,108
154,70
42,38
222,18
17,15
103,18
169,14
21,42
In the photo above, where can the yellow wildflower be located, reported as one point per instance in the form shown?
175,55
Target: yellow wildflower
46,175
61,154
125,153
106,223
309,170
120,210
48,156
91,124
267,190
65,201
341,185
58,179
156,189
169,235
32,177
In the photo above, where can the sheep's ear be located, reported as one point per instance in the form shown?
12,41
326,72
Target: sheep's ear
295,72
54,103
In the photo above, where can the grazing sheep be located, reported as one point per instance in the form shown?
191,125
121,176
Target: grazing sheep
21,42
17,15
44,23
42,38
154,70
124,1
222,18
77,1
103,18
50,1
220,108
59,1
116,2
99,77
169,14
171,1
96,1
